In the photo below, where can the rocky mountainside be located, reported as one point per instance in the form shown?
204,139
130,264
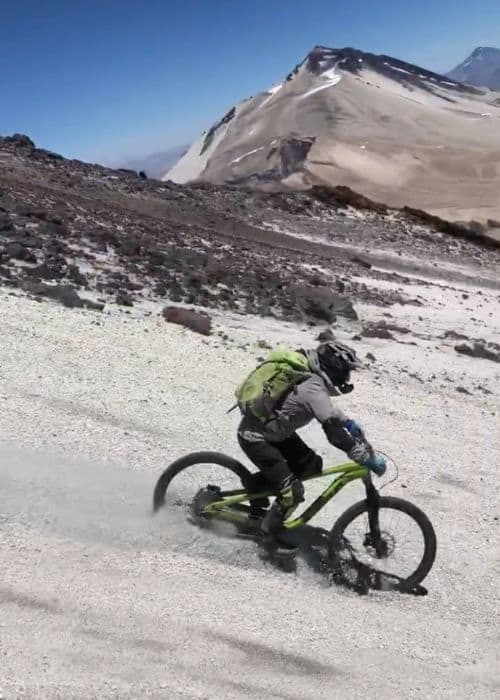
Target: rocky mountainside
481,68
394,131
86,235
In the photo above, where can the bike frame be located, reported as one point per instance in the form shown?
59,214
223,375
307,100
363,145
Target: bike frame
222,509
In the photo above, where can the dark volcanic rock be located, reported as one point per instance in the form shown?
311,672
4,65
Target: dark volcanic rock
377,331
84,226
321,304
382,329
124,299
17,251
454,335
325,336
362,261
63,293
5,222
480,348
21,141
130,247
188,318
342,196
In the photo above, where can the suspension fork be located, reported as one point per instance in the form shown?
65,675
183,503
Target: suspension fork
372,502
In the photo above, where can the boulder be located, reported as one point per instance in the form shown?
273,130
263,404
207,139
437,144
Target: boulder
20,140
62,293
130,248
195,321
18,251
454,335
325,336
5,222
124,299
377,331
382,329
322,304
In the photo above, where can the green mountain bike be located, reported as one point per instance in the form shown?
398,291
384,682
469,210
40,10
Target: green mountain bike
382,536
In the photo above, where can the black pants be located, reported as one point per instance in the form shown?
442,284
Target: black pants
277,461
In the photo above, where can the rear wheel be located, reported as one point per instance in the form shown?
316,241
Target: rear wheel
192,481
404,548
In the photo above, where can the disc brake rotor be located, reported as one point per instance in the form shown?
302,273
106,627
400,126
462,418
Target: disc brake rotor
383,548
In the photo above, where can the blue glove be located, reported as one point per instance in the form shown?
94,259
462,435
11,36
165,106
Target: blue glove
376,463
354,428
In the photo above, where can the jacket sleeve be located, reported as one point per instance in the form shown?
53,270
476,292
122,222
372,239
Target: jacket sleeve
332,420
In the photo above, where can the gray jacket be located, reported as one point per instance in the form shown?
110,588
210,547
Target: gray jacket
309,400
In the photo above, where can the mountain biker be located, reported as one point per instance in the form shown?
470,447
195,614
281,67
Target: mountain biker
282,457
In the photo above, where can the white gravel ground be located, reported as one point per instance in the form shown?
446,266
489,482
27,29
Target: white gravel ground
99,600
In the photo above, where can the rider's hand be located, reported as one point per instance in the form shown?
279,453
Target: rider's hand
354,429
376,463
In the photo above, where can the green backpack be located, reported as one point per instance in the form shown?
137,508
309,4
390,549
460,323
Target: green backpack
266,387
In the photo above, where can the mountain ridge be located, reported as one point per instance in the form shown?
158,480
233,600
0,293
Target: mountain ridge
481,68
386,128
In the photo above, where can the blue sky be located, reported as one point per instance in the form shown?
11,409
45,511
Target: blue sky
106,79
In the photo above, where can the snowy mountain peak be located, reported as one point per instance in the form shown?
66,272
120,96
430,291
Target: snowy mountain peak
481,68
355,61
387,128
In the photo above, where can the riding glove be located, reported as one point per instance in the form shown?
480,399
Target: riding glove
376,463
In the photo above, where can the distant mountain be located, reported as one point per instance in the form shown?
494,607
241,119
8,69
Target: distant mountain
394,131
156,164
481,68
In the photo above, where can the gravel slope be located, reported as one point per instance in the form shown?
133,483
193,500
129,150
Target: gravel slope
99,600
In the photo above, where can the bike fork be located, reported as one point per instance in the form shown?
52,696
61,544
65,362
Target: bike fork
373,537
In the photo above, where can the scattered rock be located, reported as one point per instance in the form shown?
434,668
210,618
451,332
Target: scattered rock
454,335
63,293
20,140
382,329
29,241
263,345
325,336
371,357
480,348
188,318
94,305
322,304
124,299
17,251
130,247
362,261
5,222
462,390
396,328
377,331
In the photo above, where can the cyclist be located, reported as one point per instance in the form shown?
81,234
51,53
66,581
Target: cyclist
267,431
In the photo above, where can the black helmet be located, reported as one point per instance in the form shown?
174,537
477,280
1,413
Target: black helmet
336,362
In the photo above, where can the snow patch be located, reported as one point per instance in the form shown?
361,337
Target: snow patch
245,155
271,92
400,70
194,162
330,78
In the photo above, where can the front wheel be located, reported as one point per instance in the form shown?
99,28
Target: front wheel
404,546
